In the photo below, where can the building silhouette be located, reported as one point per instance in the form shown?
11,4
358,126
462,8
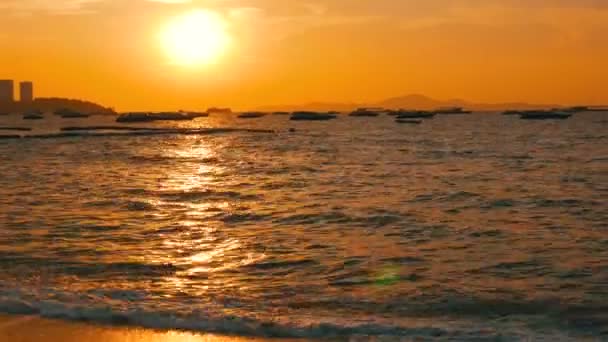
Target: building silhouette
26,91
7,89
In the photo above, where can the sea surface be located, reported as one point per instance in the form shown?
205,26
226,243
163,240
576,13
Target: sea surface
466,227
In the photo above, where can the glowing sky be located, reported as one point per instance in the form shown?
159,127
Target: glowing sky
288,51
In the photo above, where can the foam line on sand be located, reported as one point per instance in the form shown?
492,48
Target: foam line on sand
17,328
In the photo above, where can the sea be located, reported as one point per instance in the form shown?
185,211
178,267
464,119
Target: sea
465,227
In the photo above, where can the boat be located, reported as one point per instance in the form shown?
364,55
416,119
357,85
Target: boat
587,109
452,110
11,128
218,110
280,113
413,114
311,116
544,115
411,122
574,109
194,114
75,116
34,115
251,115
150,117
67,113
366,112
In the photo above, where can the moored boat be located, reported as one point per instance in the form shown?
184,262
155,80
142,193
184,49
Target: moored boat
33,115
410,122
150,117
218,110
366,112
70,114
574,109
452,110
311,116
251,115
579,109
544,115
413,114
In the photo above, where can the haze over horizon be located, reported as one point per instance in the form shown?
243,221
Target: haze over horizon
129,55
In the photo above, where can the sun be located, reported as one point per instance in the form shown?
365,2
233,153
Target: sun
196,38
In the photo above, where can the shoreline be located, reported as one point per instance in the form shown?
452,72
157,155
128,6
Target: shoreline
33,328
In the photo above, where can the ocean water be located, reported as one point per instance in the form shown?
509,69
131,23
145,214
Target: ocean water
474,227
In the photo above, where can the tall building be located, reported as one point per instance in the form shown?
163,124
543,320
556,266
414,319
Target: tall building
7,89
26,91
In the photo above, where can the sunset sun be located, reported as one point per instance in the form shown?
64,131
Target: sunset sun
196,38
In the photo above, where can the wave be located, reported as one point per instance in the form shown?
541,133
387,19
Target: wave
568,321
112,132
84,269
375,220
282,264
204,322
204,195
139,206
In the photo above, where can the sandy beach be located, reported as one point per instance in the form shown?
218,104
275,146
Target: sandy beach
34,329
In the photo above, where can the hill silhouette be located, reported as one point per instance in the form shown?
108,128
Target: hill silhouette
411,101
54,103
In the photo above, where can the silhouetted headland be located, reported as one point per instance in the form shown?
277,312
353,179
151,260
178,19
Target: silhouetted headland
47,105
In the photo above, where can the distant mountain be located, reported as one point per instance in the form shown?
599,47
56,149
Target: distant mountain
313,106
412,101
423,102
415,101
53,104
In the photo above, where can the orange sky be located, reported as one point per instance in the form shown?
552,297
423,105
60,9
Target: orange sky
293,52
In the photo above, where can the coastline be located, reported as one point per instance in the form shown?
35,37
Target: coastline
18,328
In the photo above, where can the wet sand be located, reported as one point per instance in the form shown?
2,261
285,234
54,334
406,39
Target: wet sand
34,329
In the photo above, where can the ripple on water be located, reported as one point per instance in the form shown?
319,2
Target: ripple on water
139,206
203,195
517,269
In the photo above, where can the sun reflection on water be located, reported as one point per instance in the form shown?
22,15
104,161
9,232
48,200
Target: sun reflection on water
196,246
224,256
